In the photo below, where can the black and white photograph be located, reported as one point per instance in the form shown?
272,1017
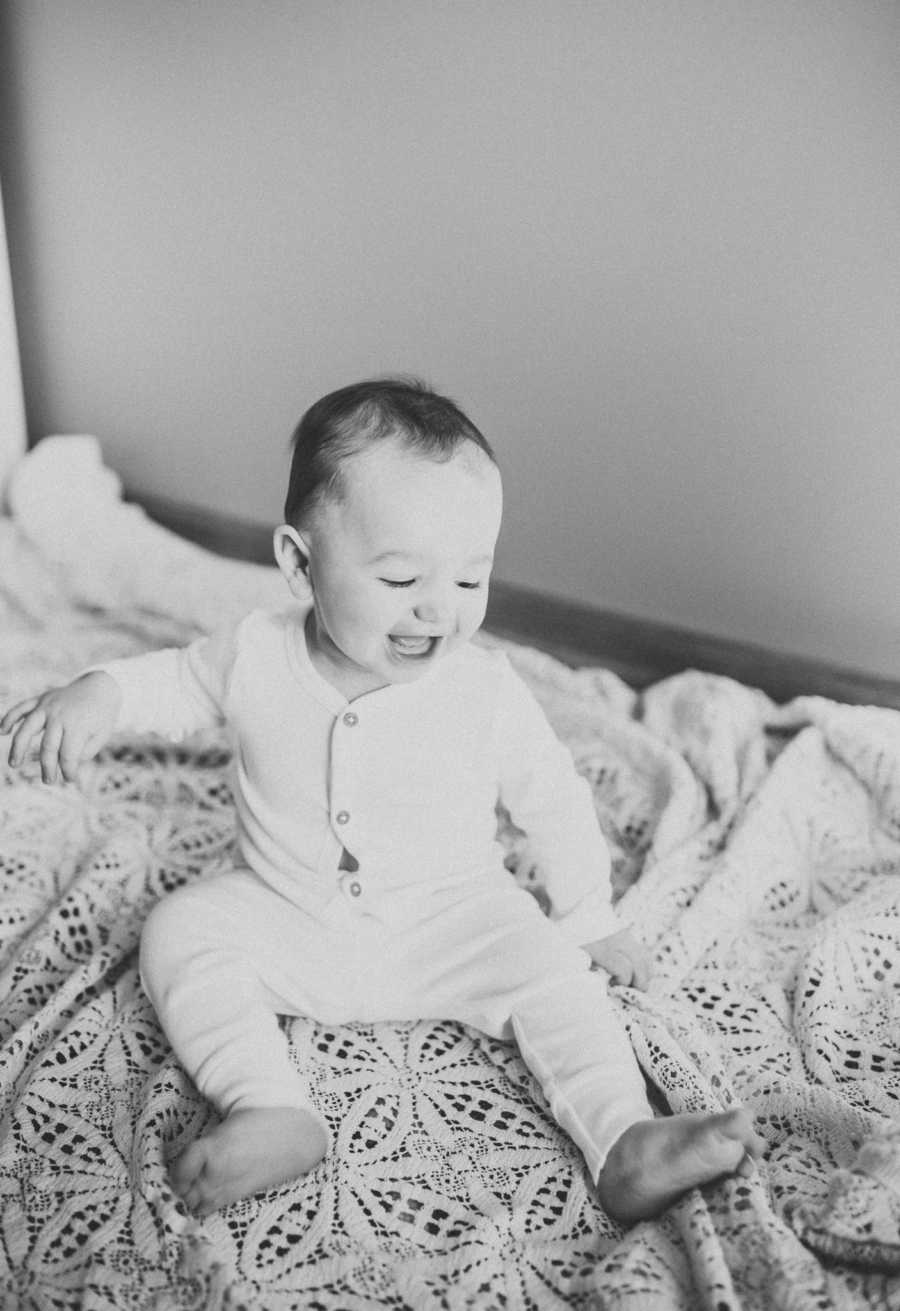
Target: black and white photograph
449,655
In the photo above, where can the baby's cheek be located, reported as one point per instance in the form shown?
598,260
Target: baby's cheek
474,618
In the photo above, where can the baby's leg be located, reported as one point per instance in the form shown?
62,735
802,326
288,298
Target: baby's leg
570,1037
203,967
516,975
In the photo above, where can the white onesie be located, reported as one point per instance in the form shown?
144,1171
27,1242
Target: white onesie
373,886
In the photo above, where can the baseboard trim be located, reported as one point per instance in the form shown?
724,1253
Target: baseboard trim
641,651
225,534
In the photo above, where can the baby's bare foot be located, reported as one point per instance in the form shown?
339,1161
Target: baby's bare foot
656,1161
248,1152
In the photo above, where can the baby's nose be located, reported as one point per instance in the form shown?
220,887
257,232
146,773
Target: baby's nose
433,610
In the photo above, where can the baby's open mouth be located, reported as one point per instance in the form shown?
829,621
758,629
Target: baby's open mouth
413,647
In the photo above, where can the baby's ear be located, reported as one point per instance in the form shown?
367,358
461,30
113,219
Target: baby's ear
292,558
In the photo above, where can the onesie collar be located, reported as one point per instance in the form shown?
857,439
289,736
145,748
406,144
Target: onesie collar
305,671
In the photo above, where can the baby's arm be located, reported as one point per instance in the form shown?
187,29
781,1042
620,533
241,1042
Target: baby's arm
554,805
172,692
71,724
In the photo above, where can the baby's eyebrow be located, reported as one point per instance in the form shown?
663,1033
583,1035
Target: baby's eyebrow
390,555
405,556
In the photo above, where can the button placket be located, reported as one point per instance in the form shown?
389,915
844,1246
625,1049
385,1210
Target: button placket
345,749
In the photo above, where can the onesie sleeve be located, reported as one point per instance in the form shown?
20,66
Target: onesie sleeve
176,691
552,803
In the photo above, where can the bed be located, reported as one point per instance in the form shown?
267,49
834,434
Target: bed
756,850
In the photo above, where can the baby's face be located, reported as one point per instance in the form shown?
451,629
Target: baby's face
399,566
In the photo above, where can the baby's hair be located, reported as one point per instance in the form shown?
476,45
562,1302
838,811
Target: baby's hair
348,421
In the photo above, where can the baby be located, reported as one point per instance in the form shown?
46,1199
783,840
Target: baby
371,744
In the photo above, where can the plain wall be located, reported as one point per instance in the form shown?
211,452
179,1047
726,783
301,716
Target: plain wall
652,248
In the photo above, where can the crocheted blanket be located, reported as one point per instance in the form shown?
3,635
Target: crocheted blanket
756,851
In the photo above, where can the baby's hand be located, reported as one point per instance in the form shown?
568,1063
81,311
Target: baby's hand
624,958
71,723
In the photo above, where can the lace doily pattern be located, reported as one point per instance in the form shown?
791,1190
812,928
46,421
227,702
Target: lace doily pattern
756,851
